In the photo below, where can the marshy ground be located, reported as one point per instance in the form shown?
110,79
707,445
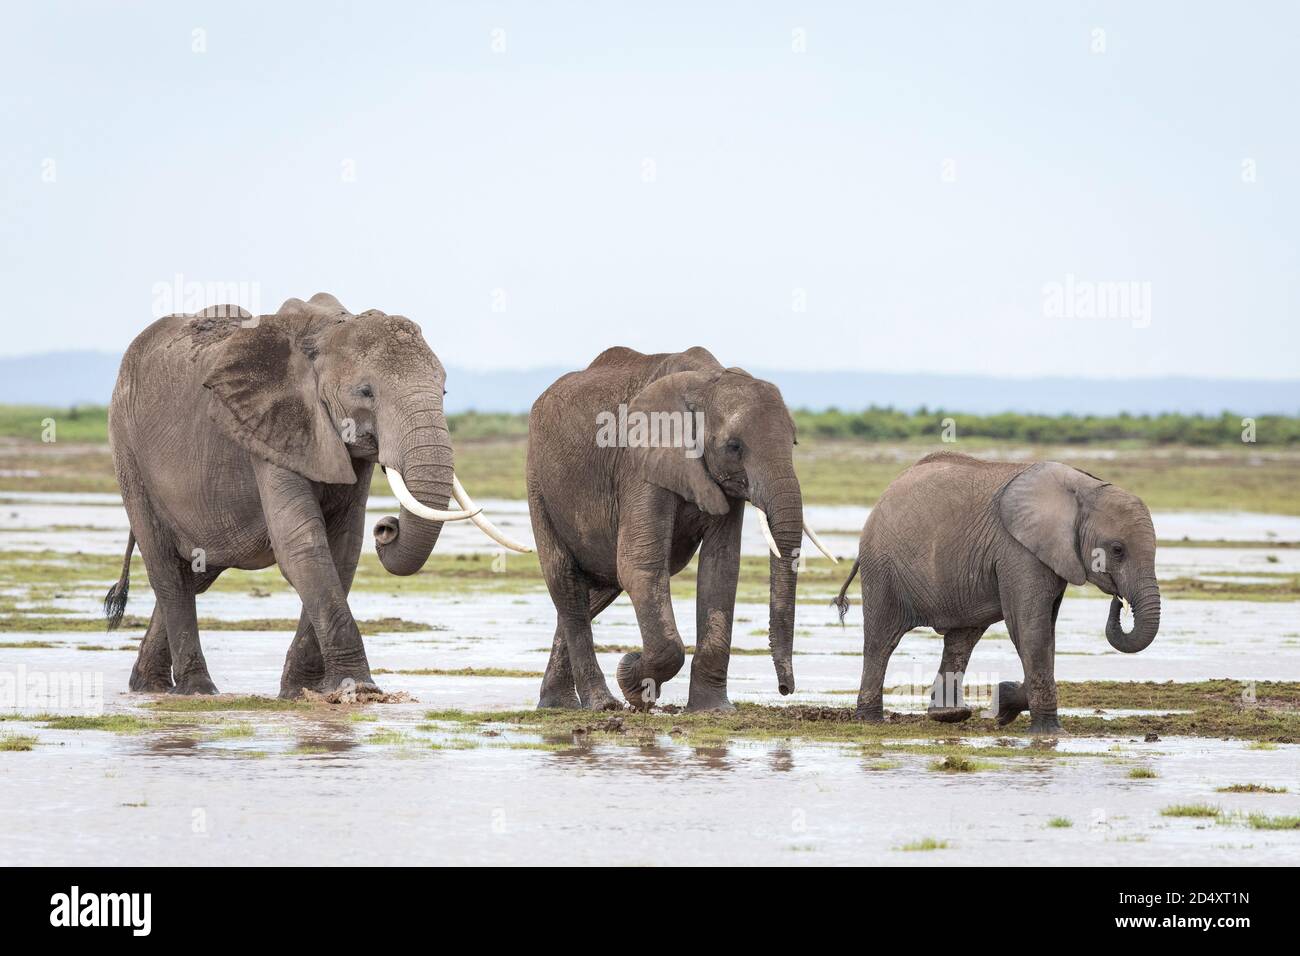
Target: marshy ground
1188,752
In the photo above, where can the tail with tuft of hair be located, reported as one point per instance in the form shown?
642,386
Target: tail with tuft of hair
115,599
841,603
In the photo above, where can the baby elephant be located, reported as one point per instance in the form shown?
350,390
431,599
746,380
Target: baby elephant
958,544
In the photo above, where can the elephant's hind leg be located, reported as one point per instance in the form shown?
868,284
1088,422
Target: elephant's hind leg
947,703
303,665
558,687
883,626
573,661
152,671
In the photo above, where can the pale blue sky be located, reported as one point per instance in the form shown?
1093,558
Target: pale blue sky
776,171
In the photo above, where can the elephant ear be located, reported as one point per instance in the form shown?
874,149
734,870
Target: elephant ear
264,397
1040,508
680,470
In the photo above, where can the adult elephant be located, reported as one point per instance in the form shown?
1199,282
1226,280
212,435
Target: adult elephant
242,441
958,544
634,463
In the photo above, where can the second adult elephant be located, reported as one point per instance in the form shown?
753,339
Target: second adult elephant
243,441
634,463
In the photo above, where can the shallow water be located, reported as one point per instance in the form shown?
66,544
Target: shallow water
27,520
311,788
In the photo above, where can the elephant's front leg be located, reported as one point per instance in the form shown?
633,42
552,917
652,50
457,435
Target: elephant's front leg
345,528
1030,623
302,549
715,605
644,545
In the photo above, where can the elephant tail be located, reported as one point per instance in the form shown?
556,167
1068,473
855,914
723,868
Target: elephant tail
841,603
115,599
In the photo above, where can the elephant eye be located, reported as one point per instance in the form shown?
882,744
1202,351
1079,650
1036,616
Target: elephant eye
733,446
1117,550
365,391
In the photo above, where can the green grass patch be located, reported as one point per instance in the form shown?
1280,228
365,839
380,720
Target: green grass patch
1060,823
460,672
1142,773
923,845
1250,788
237,730
1212,709
113,723
1259,821
220,702
390,738
958,764
1191,810
17,743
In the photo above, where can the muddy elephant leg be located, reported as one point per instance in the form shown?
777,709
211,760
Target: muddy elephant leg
645,537
174,582
715,606
304,665
573,670
1031,623
641,676
152,671
947,703
882,628
173,587
558,685
301,544
558,689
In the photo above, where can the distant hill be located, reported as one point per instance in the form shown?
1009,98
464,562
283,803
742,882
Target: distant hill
83,377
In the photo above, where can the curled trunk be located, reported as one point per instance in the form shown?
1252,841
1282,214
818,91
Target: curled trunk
1146,619
425,461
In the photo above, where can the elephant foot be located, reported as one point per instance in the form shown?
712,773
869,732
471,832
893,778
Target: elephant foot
349,685
151,681
559,699
639,691
194,684
602,700
706,697
641,679
718,705
870,715
1048,725
1012,701
949,715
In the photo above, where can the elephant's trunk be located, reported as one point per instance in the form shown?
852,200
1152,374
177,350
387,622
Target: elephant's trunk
1146,619
782,500
424,452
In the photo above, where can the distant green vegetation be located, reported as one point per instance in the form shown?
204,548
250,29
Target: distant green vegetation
86,423
90,424
888,424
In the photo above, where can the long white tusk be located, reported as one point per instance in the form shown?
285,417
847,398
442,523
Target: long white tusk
487,527
767,532
414,507
812,536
